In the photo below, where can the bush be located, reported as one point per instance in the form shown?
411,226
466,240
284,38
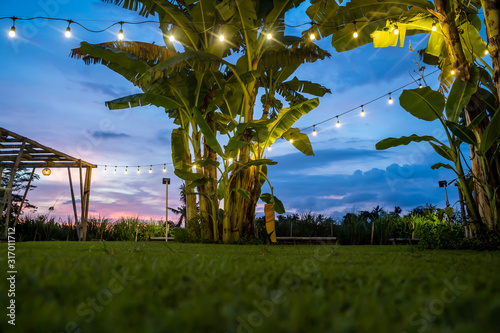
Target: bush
181,235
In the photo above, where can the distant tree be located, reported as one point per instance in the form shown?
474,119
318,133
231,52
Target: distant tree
19,185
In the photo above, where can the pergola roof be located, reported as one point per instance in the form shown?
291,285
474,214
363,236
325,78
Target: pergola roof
34,155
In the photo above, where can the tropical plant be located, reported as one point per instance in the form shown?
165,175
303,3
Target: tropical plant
456,47
207,95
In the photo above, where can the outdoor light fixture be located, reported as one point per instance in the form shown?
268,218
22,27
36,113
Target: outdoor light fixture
120,33
115,170
269,148
46,172
221,38
452,72
165,167
444,183
150,169
355,33
434,28
68,30
314,130
420,85
338,122
105,168
126,169
138,170
171,38
486,52
396,30
230,160
312,36
362,111
269,36
291,139
12,31
390,99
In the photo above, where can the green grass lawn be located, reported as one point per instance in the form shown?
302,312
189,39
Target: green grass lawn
159,287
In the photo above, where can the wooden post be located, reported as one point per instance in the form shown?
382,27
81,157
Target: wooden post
81,200
166,181
7,198
85,203
373,230
74,202
24,197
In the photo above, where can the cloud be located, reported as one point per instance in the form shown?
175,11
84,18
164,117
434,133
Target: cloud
108,135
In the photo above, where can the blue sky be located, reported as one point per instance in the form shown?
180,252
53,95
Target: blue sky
59,102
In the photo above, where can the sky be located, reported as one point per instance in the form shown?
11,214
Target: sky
59,102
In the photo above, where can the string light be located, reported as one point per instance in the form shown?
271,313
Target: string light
314,131
420,85
312,36
164,167
12,31
126,169
105,168
269,148
115,169
355,33
452,72
486,52
269,36
291,139
171,38
151,169
138,170
362,111
396,30
338,122
434,28
221,38
68,30
390,99
120,33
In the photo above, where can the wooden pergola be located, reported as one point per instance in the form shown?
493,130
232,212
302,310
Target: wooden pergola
19,152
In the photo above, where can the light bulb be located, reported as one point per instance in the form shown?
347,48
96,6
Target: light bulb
221,38
105,169
314,131
390,99
164,168
269,148
151,169
171,38
452,72
312,36
362,112
230,160
120,34
138,170
420,85
486,52
396,30
269,36
291,140
338,123
68,32
355,33
115,170
434,28
12,32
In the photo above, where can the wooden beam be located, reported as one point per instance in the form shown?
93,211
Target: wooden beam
74,201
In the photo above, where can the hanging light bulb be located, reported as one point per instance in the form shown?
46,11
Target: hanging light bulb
165,167
486,52
396,30
420,85
390,99
355,33
120,33
46,172
138,170
68,30
312,36
269,148
338,122
434,28
230,160
291,139
269,36
150,169
314,130
115,169
194,167
452,72
221,38
171,38
362,111
105,168
126,169
12,32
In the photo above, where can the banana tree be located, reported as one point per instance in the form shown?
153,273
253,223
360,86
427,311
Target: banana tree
456,46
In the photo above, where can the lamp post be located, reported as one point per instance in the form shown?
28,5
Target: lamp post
166,181
443,183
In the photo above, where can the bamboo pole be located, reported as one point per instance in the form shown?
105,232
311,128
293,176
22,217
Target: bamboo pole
81,199
85,204
24,197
